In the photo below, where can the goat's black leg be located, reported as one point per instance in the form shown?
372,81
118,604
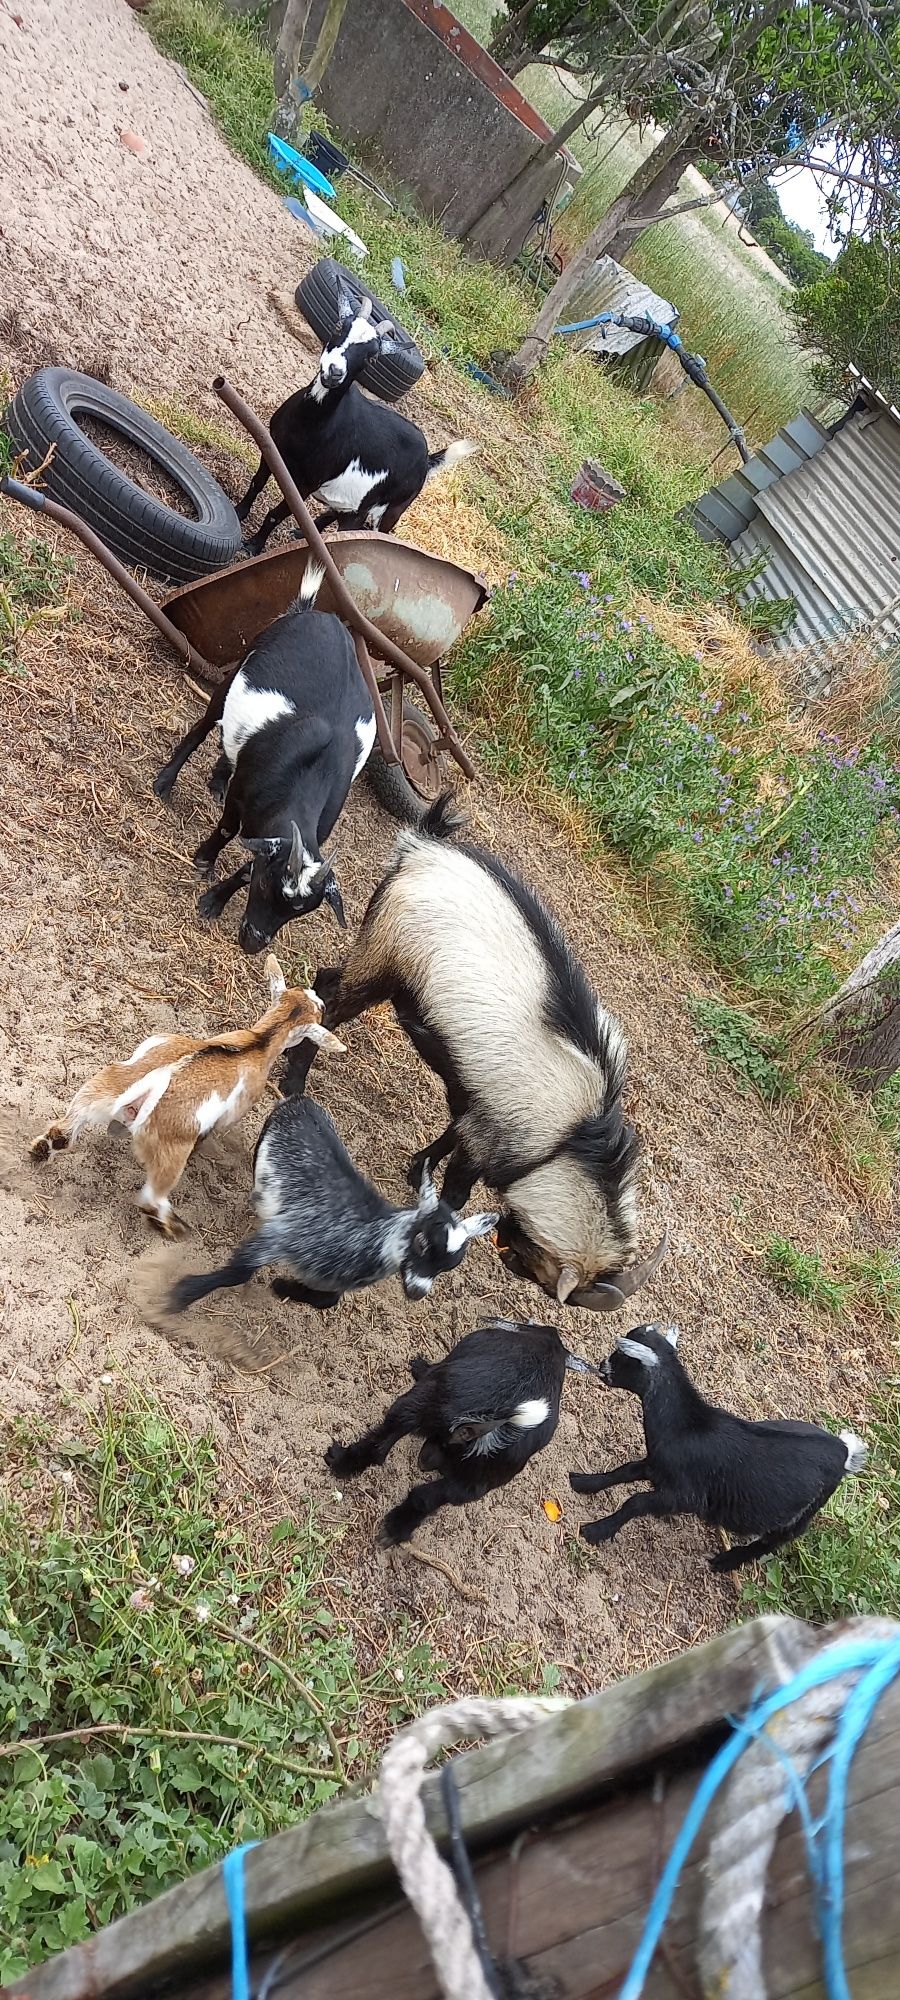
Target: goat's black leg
620,1475
207,854
273,519
401,1420
729,1559
258,483
249,1256
401,1523
391,516
220,778
165,779
304,1295
637,1504
419,1366
459,1179
211,904
431,1156
297,1067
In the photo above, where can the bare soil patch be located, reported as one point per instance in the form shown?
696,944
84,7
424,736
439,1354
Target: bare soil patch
162,264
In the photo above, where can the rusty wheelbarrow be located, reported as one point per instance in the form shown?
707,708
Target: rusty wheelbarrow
405,605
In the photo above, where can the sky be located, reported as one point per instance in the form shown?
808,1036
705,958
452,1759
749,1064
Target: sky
802,203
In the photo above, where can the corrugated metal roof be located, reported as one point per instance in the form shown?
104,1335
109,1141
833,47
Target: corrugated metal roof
821,508
608,287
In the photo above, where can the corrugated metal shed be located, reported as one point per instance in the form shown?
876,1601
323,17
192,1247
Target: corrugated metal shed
821,508
608,287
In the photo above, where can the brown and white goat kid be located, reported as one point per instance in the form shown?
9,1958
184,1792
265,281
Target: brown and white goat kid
176,1089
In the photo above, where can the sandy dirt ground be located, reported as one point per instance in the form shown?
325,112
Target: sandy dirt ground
158,267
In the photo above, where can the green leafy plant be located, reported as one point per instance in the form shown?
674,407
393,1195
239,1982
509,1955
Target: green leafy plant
803,1273
866,1282
848,1562
32,581
169,1685
754,1056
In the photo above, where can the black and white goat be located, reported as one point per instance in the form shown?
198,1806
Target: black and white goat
297,726
483,1412
767,1480
494,1000
364,460
318,1214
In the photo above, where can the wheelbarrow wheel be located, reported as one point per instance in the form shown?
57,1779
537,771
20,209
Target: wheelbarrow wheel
408,797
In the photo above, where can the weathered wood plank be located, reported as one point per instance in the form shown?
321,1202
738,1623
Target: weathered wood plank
340,1856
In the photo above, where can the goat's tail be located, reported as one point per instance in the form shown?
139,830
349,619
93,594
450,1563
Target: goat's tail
441,461
443,819
310,586
857,1452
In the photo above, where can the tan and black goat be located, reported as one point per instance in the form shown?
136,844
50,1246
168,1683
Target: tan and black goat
176,1089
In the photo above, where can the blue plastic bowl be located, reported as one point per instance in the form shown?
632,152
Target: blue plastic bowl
292,162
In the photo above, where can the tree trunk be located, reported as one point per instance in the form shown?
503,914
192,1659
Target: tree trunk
529,356
510,44
298,73
498,232
654,198
861,1024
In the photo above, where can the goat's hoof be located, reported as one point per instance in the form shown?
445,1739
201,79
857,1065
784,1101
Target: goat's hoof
209,906
727,1559
281,1288
336,1459
415,1170
595,1532
581,1482
163,785
40,1149
203,861
172,1227
390,1533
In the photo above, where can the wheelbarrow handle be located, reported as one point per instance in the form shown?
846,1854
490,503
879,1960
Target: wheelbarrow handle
15,489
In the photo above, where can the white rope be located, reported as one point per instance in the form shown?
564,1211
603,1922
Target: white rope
745,1822
426,1879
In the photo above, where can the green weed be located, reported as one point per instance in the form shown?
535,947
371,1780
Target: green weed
208,1688
868,1282
848,1562
767,852
754,1056
32,581
225,56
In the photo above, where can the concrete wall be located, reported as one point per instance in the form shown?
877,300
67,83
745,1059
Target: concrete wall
409,90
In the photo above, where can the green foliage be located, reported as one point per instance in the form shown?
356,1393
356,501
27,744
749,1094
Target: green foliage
765,846
140,1607
869,1281
853,315
848,1562
793,249
32,581
225,56
754,1057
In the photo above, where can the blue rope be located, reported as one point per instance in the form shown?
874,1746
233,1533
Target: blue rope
882,1658
233,1880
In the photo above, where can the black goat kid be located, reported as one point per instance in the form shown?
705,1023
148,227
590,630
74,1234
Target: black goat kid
367,463
767,1480
318,1214
483,1413
297,726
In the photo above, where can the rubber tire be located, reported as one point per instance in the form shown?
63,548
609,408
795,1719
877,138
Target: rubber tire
390,783
392,374
140,530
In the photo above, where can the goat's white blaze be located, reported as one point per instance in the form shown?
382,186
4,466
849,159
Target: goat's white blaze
247,710
365,733
152,1042
636,1351
216,1110
347,492
141,1098
531,1413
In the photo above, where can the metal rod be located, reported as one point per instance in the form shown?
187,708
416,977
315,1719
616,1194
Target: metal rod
39,503
350,612
386,743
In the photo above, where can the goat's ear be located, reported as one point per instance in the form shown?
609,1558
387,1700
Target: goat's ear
275,977
470,1428
428,1194
335,901
267,849
480,1225
673,1335
345,307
